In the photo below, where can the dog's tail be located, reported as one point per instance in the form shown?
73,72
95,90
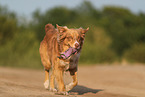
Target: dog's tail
49,28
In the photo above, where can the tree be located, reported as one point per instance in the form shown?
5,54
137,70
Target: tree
124,27
8,25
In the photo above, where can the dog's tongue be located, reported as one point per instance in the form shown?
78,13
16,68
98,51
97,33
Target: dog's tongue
68,53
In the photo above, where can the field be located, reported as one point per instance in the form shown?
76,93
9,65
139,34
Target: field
94,81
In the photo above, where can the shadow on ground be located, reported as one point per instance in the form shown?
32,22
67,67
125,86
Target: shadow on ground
80,90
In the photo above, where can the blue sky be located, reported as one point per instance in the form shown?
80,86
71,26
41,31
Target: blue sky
26,7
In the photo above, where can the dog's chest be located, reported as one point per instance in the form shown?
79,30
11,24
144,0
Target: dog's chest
72,63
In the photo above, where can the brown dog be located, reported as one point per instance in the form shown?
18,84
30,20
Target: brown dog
60,50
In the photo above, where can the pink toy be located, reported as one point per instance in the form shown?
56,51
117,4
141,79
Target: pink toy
68,53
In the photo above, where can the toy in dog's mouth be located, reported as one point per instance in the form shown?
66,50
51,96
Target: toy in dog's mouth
70,51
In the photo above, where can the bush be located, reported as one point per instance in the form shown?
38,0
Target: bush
98,50
22,51
136,53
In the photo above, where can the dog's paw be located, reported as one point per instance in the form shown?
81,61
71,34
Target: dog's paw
62,93
46,84
69,87
53,90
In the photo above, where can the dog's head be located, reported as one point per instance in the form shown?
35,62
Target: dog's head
71,37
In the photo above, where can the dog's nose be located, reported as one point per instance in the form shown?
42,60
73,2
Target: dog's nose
76,45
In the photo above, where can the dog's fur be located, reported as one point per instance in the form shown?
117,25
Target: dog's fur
55,42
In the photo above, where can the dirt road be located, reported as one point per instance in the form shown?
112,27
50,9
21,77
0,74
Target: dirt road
94,81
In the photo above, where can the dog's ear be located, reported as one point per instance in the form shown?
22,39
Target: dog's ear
83,31
61,29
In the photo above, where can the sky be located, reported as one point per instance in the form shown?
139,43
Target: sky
27,7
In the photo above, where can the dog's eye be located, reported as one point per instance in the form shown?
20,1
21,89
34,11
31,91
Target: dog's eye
62,39
69,38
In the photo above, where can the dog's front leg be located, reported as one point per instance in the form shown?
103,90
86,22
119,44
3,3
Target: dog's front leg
46,82
52,78
75,81
59,77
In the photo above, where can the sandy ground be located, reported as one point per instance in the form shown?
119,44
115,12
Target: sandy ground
94,81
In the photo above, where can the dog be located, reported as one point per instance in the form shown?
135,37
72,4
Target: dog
60,50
